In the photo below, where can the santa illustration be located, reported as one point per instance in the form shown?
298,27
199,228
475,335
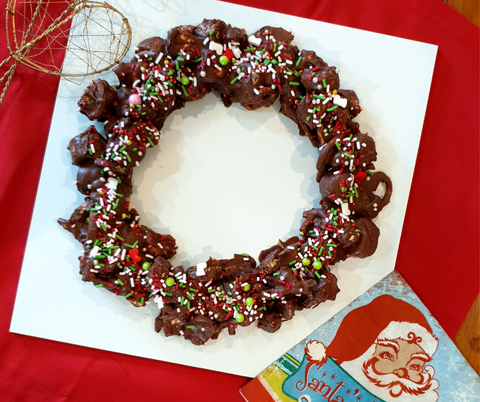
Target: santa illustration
385,346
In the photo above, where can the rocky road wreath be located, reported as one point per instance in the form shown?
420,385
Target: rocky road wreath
131,260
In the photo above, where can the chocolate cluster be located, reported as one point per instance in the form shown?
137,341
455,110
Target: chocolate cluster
131,260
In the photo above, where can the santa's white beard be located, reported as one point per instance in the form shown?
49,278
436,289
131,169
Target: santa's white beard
390,387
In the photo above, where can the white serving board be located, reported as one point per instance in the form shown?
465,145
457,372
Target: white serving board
223,181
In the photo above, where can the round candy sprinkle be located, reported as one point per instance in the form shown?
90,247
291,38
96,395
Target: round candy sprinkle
306,261
146,265
239,318
135,99
249,301
317,264
184,80
169,281
246,287
223,60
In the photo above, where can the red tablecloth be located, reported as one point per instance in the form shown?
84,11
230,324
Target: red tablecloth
439,248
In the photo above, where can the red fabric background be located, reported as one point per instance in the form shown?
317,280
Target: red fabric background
439,249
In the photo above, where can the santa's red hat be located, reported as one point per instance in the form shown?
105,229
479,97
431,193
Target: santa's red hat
383,318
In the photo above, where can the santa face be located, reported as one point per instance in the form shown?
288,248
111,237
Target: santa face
401,358
395,370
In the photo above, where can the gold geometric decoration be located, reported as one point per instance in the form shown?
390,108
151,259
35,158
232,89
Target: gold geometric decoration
69,38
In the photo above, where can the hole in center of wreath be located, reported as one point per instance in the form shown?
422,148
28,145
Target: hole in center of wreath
225,181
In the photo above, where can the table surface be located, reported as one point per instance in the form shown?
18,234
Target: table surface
438,254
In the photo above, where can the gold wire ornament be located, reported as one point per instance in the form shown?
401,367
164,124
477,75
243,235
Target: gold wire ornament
68,38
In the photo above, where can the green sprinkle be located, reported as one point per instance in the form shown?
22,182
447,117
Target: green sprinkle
234,80
338,146
331,245
263,50
127,296
90,151
276,273
369,173
167,294
192,326
99,286
292,262
184,91
119,238
245,255
294,83
298,61
142,300
317,274
211,32
119,282
150,142
324,83
176,65
331,109
199,60
193,290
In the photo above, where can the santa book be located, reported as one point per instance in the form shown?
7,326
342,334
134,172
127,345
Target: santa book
385,346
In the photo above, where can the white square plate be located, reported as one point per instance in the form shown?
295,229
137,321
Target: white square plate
223,181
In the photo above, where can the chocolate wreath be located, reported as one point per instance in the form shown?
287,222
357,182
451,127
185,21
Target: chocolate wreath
131,260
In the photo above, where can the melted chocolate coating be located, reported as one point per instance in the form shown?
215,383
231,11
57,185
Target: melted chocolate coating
131,260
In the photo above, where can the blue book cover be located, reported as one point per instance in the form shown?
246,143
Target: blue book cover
383,347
